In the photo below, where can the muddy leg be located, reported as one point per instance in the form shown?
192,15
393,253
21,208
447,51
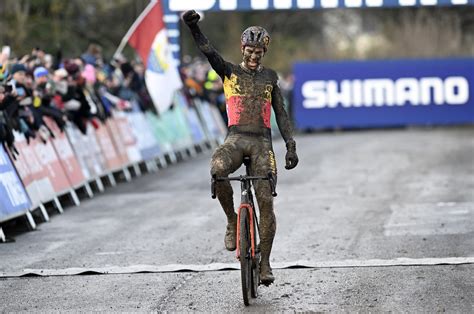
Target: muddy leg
264,163
267,219
226,159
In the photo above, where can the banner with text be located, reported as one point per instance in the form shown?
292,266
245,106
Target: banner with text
13,198
252,5
384,93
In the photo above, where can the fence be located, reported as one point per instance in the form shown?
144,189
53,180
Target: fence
127,143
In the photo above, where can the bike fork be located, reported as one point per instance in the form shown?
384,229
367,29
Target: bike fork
251,227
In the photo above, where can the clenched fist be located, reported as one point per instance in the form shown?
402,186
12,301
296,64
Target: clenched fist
191,18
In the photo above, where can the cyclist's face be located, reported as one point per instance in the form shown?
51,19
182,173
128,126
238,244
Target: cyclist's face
252,56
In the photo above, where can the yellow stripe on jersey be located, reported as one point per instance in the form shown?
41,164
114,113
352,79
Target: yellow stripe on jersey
231,87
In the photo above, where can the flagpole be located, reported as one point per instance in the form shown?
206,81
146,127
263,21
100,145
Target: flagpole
135,24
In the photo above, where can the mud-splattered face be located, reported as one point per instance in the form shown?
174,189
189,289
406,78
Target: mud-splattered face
252,56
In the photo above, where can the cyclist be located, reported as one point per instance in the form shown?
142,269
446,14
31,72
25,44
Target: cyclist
251,90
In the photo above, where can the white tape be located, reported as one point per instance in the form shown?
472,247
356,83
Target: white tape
235,266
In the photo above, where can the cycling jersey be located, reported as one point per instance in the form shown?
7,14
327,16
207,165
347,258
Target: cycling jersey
250,94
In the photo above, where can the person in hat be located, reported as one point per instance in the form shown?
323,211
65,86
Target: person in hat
18,82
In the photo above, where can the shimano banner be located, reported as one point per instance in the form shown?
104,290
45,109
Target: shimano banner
384,93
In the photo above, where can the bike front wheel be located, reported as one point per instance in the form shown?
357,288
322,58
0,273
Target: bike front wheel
245,255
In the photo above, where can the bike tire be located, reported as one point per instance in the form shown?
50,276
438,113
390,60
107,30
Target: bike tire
245,257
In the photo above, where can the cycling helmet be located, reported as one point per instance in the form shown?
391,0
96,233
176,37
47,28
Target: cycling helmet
255,36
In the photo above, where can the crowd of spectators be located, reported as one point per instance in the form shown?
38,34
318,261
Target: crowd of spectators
81,90
86,89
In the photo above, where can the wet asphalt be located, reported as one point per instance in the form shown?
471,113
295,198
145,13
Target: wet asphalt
359,196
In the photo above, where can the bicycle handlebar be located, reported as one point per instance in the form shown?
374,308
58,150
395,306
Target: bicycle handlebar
242,178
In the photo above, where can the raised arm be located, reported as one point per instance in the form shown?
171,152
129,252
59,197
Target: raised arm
285,127
191,19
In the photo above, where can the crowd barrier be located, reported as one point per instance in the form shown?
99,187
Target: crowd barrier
48,171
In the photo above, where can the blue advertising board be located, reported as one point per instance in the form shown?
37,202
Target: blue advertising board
384,93
250,5
172,8
13,198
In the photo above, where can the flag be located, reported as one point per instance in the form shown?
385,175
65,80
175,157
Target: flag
149,38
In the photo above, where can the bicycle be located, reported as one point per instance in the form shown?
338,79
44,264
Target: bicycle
248,252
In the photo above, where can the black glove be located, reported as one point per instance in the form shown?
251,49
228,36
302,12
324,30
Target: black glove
191,18
291,158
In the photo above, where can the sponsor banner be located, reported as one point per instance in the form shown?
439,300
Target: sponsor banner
175,121
80,148
13,197
114,133
66,155
211,123
218,121
127,137
49,159
173,9
113,161
384,93
88,151
23,169
251,5
33,174
195,127
145,140
163,135
96,162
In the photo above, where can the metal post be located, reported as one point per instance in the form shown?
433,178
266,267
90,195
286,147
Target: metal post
31,221
88,190
58,205
136,169
126,174
151,166
74,197
154,165
111,178
163,162
44,212
100,185
173,157
2,236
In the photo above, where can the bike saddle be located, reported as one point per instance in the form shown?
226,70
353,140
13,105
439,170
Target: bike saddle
246,160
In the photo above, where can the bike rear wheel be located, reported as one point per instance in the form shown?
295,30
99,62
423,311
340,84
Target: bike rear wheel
245,255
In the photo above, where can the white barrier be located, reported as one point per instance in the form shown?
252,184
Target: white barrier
72,160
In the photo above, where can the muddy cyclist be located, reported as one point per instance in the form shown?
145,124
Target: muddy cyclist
251,90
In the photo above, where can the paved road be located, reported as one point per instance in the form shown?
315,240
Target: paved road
384,219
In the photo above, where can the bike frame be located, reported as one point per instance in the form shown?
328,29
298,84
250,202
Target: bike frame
246,200
249,269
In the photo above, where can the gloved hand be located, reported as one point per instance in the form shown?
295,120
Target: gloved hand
291,158
191,18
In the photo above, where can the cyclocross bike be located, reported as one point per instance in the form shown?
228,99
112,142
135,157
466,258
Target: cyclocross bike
248,252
